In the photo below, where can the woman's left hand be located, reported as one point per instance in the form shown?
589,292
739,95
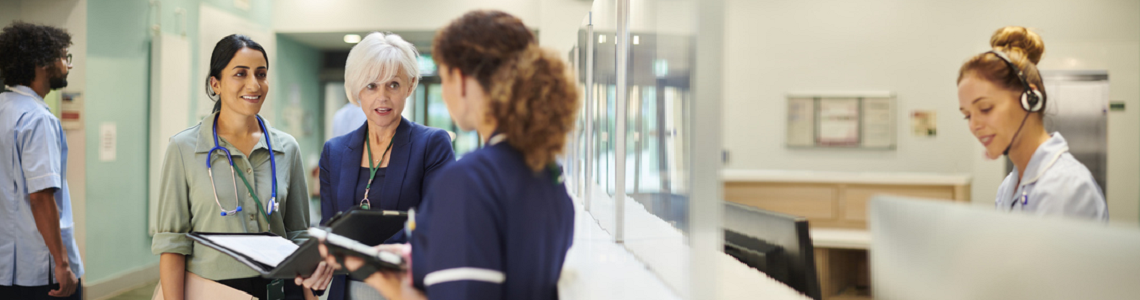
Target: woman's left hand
320,278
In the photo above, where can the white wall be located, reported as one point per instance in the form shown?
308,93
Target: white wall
914,48
356,15
559,21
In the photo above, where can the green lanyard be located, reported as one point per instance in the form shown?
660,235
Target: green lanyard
372,168
253,193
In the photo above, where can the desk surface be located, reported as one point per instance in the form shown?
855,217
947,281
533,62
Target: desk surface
841,238
598,268
894,178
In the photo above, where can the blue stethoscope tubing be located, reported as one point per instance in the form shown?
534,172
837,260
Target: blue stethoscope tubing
271,206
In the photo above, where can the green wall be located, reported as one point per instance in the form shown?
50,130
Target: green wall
118,91
297,89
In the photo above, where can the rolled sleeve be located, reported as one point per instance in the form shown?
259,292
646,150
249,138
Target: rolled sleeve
170,212
172,242
39,152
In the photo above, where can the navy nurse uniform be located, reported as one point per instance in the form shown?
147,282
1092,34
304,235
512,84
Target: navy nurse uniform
494,229
418,154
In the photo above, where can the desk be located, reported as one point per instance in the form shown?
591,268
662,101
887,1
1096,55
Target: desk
836,199
841,261
835,204
598,268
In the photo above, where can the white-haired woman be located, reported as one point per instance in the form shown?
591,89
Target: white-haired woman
386,163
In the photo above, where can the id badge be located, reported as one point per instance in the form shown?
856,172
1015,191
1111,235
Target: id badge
275,290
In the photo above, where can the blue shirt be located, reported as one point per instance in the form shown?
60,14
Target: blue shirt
33,157
491,228
348,118
1054,183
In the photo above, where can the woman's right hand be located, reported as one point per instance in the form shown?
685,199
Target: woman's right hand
393,285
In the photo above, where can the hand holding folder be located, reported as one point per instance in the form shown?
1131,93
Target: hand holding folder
275,257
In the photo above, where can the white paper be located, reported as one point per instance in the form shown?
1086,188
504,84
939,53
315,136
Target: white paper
878,123
108,136
801,122
269,250
838,122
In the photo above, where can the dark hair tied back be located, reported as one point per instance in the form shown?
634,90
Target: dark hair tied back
224,52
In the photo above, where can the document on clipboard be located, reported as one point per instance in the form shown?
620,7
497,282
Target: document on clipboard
275,257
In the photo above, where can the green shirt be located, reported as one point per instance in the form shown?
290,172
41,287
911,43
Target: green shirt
186,199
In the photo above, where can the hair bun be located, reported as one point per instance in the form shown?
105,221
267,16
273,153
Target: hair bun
1019,40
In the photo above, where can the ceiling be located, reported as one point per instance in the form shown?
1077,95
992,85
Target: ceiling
334,41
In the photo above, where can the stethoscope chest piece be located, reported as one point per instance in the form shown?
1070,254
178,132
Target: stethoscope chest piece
272,205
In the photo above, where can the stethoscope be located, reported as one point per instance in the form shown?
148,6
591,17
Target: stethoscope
272,205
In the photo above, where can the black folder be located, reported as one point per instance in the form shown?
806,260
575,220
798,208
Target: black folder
370,227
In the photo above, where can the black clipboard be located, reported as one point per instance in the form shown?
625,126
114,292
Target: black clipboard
370,227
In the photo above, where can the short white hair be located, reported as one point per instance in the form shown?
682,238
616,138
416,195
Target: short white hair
377,58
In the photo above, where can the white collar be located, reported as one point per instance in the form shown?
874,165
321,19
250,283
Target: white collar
497,138
1046,155
26,91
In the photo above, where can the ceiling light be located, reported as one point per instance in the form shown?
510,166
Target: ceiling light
352,38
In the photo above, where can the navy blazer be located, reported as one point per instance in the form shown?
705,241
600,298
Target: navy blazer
418,153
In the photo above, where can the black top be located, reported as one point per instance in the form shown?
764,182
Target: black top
374,194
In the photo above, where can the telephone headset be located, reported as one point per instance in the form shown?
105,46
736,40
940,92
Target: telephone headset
1031,100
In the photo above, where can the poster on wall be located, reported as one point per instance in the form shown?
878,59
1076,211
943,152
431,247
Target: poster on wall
801,122
838,122
841,120
878,123
924,123
70,108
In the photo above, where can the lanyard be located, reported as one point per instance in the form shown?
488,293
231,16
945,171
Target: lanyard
372,168
273,164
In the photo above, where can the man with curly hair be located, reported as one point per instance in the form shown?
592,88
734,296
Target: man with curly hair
40,259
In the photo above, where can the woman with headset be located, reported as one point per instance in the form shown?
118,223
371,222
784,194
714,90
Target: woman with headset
259,186
502,226
1001,94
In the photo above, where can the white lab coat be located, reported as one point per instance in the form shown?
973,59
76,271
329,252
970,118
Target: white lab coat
1054,183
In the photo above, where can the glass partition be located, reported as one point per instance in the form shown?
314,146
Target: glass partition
652,220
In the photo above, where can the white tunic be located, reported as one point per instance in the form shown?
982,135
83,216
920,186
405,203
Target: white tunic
1054,183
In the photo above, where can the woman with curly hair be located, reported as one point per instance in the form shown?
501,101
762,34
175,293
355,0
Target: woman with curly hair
503,225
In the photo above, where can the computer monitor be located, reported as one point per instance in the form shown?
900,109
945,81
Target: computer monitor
926,249
775,243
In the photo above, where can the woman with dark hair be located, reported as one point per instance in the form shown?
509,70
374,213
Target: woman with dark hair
1003,98
193,198
503,224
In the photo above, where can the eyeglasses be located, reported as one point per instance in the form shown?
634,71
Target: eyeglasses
67,58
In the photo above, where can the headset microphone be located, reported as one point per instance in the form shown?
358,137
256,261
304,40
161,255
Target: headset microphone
1031,99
